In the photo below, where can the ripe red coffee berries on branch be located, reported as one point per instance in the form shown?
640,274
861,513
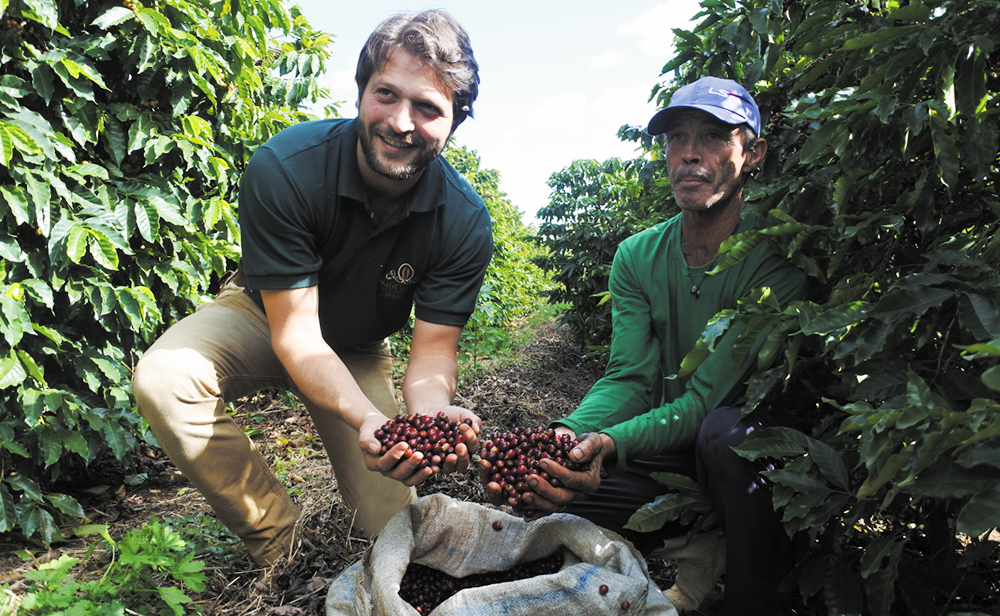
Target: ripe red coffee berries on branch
515,456
431,436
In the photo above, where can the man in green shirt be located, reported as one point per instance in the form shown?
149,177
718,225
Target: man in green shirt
639,418
346,226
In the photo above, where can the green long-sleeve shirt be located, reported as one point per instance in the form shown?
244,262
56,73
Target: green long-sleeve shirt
656,322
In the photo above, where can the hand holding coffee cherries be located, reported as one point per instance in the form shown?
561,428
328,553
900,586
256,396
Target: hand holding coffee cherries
537,471
411,448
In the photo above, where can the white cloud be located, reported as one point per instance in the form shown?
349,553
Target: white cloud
625,106
565,111
608,59
654,27
342,87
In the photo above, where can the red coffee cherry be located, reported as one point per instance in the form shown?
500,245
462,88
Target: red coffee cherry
625,605
497,525
425,588
516,455
429,435
603,589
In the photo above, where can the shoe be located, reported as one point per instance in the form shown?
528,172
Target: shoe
700,562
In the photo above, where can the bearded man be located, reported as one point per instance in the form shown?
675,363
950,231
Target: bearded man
347,225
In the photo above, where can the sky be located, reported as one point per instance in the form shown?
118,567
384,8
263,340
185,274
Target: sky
558,77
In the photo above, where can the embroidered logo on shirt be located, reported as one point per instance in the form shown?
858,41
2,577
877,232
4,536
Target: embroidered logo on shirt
396,281
404,274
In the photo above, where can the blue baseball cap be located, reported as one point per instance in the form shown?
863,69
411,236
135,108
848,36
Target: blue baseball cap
723,98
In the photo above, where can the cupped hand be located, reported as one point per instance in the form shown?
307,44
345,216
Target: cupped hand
394,463
404,465
460,459
545,498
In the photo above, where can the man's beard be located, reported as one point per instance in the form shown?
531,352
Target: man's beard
395,171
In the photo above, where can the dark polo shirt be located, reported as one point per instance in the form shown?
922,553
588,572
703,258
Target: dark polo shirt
304,223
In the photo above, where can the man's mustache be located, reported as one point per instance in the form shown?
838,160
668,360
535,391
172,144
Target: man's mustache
405,138
695,175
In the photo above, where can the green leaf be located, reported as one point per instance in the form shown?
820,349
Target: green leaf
12,372
775,442
140,133
6,146
797,481
8,515
76,243
89,530
886,472
173,597
114,136
914,11
676,481
45,12
153,21
112,17
33,518
664,509
15,448
981,315
917,301
842,590
829,463
41,197
15,199
25,485
818,142
77,65
981,514
946,155
32,367
66,504
991,378
131,307
737,247
705,345
37,127
103,250
952,481
167,210
869,39
188,571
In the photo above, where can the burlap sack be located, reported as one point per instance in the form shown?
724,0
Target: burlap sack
458,538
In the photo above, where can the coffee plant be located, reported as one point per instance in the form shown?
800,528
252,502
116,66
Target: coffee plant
425,587
881,182
592,207
124,127
513,288
515,456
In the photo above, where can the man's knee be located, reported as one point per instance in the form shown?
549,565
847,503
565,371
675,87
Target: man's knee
721,430
166,378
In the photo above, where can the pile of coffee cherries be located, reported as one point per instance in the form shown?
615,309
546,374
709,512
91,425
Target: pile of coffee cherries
514,456
431,436
425,588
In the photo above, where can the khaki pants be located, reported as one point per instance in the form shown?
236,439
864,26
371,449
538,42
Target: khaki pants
223,352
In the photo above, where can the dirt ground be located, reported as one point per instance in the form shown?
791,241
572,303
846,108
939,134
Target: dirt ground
547,380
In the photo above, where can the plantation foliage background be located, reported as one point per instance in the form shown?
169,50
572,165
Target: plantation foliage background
124,128
881,182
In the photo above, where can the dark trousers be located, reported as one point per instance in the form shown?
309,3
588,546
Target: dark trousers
757,547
